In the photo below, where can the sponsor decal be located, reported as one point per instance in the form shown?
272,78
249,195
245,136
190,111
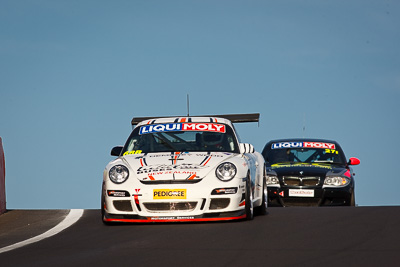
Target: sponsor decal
172,218
173,172
169,194
165,168
132,152
302,144
190,174
301,193
173,127
117,193
224,191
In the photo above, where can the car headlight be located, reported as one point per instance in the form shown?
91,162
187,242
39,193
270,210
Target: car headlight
336,181
225,171
272,181
118,174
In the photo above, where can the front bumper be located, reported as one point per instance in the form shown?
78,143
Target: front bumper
174,202
322,197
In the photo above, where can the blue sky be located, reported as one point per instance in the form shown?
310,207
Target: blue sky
74,73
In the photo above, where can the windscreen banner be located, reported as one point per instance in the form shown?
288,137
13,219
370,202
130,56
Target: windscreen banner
2,180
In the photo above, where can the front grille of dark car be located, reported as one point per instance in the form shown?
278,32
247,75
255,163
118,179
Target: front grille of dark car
170,206
300,181
219,203
123,205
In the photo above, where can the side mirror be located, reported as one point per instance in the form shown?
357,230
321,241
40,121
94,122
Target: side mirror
354,161
116,151
246,148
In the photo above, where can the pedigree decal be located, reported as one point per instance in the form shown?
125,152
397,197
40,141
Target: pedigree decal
174,127
169,194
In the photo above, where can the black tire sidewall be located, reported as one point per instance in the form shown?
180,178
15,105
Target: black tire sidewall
249,201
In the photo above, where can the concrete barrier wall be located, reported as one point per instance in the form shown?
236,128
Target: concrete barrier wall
2,179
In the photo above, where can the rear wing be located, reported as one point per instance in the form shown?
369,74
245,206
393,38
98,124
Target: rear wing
234,118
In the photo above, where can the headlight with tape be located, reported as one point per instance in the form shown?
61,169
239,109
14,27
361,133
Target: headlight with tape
118,174
336,181
225,171
272,181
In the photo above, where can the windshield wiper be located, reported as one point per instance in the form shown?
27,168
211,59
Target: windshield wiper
328,162
286,162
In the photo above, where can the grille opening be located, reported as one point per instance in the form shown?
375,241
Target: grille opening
219,203
170,206
300,181
203,204
123,205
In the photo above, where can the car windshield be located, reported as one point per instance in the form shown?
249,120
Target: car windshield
173,137
322,154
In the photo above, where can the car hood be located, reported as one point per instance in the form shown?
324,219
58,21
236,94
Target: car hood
306,169
176,166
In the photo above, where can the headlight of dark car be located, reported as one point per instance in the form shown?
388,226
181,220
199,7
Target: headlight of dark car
272,181
225,171
336,181
118,174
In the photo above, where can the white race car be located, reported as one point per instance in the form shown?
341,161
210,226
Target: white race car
181,169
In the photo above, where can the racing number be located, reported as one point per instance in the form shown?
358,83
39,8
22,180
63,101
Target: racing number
331,151
132,152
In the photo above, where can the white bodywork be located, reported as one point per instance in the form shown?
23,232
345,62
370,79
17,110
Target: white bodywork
183,186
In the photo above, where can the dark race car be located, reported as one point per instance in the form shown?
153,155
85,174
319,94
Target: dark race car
308,172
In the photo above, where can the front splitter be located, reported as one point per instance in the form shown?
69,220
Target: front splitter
224,216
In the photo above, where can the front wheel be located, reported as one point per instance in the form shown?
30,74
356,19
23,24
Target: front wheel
249,201
353,200
262,209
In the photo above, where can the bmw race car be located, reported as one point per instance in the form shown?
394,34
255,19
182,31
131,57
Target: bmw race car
308,172
181,169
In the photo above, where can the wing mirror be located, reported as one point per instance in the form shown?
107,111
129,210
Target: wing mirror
246,148
354,161
116,151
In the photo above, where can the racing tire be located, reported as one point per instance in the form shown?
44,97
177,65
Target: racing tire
262,209
249,201
352,200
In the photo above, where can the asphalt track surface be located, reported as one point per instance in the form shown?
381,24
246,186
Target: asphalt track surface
345,236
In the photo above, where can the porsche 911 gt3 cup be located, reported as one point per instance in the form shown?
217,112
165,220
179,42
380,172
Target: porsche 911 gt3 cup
184,169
